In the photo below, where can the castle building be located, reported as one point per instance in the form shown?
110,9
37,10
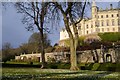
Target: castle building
101,21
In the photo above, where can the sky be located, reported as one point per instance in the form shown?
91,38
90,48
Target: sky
12,30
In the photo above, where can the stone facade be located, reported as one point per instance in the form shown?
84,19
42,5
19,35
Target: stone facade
34,57
86,56
101,21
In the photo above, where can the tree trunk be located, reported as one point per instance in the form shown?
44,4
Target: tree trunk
42,50
73,57
42,15
73,45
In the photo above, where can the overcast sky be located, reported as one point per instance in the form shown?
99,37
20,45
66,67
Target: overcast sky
13,30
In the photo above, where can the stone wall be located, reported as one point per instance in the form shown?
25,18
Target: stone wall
87,56
110,56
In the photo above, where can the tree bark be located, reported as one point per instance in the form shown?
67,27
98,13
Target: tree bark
73,55
42,51
42,15
73,46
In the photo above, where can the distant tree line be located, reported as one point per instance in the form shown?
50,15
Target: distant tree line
9,53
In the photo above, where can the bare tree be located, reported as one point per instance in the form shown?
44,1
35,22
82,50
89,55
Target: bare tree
6,52
72,13
35,39
34,16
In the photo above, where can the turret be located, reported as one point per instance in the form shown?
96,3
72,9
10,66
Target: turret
94,9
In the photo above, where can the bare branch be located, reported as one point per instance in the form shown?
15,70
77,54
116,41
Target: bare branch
82,14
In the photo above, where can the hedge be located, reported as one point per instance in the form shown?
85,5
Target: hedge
82,66
110,36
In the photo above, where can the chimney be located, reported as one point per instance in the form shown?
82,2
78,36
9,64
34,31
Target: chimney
111,6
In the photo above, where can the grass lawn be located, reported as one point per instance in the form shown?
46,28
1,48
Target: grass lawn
56,74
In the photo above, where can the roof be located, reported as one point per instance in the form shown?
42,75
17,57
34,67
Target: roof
109,10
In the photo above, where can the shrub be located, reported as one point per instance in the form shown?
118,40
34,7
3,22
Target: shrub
112,37
90,66
117,67
52,66
100,66
95,66
64,66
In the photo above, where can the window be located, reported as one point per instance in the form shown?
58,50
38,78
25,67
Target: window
91,31
106,16
102,29
101,16
119,28
79,27
118,21
87,32
113,29
107,23
95,23
112,15
117,15
91,26
113,23
97,30
107,29
87,26
95,16
98,24
102,23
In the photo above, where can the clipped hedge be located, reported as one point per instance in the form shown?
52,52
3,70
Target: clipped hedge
88,66
82,66
100,66
111,37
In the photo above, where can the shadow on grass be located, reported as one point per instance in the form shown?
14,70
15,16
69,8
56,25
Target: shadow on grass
5,65
61,76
